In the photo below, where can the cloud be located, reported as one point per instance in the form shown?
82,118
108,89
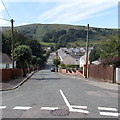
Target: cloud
72,12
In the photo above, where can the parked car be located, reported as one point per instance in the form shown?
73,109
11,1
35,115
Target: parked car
53,69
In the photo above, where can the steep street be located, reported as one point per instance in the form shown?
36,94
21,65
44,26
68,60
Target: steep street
75,97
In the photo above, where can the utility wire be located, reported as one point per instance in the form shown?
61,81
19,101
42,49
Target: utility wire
5,19
6,9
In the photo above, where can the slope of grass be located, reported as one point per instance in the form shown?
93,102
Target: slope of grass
37,31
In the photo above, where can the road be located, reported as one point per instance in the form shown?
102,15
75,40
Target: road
53,95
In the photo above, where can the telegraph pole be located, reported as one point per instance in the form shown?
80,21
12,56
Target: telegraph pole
87,45
12,28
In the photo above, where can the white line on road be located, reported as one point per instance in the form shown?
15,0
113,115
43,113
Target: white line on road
49,108
109,114
21,108
105,108
3,107
82,107
79,110
65,99
71,109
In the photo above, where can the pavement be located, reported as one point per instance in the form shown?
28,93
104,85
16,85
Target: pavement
14,83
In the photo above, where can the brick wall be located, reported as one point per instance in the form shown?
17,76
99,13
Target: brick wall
80,73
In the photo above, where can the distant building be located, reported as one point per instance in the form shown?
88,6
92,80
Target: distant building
5,61
83,60
66,58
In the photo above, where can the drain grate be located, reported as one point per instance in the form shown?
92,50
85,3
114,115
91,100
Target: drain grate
60,112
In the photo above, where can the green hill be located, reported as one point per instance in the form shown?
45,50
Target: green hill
38,31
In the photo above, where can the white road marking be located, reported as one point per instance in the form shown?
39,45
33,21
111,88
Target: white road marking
105,108
49,108
109,114
71,108
65,99
82,107
79,110
3,107
21,108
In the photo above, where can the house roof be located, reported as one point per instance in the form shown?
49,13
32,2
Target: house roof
61,53
4,58
76,56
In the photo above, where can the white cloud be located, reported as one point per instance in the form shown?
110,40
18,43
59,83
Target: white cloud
71,12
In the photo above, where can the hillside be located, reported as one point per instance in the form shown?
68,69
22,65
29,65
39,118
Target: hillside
38,31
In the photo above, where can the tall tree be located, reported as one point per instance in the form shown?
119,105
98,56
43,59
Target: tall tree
95,54
23,55
36,48
56,62
110,48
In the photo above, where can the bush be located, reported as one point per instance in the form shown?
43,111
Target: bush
72,66
80,69
63,66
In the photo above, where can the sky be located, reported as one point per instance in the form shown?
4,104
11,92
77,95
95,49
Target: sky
96,13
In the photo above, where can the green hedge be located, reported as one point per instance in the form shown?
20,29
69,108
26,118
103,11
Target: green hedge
63,66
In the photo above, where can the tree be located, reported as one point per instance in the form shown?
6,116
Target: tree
95,54
56,62
23,55
110,48
34,61
19,39
39,62
110,54
6,45
36,48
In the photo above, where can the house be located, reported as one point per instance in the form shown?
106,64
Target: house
66,58
83,60
5,61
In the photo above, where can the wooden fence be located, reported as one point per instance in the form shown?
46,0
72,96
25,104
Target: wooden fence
102,72
7,74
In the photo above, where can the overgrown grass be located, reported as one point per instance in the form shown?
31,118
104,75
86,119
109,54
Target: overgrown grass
47,44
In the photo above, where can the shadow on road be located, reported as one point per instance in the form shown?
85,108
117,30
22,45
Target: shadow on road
45,79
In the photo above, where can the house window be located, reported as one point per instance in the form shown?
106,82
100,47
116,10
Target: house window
7,65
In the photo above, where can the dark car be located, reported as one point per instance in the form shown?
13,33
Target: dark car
52,69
